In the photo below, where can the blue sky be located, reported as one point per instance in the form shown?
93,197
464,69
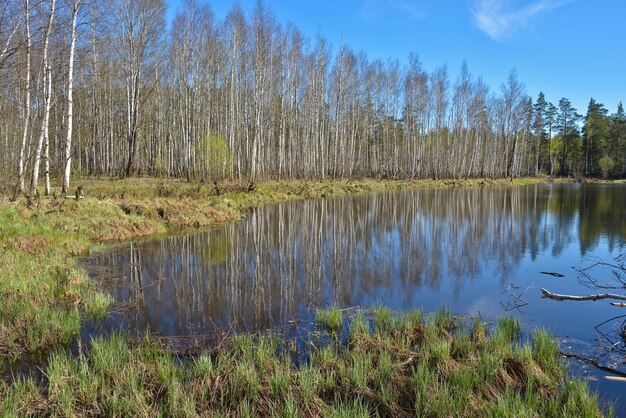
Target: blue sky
566,48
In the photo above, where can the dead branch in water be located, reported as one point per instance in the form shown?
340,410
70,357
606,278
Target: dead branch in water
616,270
556,296
593,363
518,302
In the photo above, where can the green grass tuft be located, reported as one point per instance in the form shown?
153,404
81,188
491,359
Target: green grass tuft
330,319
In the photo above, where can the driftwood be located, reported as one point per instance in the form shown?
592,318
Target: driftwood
556,296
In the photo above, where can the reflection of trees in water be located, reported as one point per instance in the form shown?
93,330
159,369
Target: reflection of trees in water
286,259
603,214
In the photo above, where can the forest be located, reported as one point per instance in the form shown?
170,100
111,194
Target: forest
111,88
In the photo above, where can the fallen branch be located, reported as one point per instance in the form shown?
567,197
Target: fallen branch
594,363
556,296
518,302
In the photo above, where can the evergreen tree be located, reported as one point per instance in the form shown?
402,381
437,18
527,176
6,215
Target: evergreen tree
595,137
551,114
617,139
541,145
566,123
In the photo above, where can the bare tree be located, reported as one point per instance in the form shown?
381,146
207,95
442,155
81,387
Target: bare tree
141,25
240,98
9,26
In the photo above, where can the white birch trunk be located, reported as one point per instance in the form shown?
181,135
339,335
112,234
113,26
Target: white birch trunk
22,160
47,93
70,102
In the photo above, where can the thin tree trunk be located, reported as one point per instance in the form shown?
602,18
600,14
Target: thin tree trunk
47,99
70,102
21,164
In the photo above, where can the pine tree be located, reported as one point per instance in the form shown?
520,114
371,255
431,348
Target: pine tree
595,137
541,145
617,139
568,130
551,114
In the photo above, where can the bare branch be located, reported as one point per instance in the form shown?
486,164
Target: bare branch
556,296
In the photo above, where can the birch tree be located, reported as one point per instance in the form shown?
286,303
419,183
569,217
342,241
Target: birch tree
47,100
248,98
27,103
9,26
75,5
140,25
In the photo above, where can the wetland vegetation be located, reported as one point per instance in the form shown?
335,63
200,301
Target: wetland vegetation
384,365
365,362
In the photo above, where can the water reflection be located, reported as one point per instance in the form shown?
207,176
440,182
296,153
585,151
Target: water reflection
403,249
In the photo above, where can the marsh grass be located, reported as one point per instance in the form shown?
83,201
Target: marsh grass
330,319
44,297
447,372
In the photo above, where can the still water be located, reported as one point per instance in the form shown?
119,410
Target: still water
479,251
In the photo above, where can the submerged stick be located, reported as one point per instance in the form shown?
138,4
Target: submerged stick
556,296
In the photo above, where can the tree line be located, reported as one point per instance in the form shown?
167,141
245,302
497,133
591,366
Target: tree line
104,88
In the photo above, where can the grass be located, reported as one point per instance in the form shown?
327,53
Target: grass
331,319
390,372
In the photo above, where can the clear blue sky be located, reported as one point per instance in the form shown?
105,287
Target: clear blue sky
566,48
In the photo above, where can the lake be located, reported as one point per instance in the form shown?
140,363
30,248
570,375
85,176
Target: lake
479,251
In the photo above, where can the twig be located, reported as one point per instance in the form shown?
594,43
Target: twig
618,270
519,302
